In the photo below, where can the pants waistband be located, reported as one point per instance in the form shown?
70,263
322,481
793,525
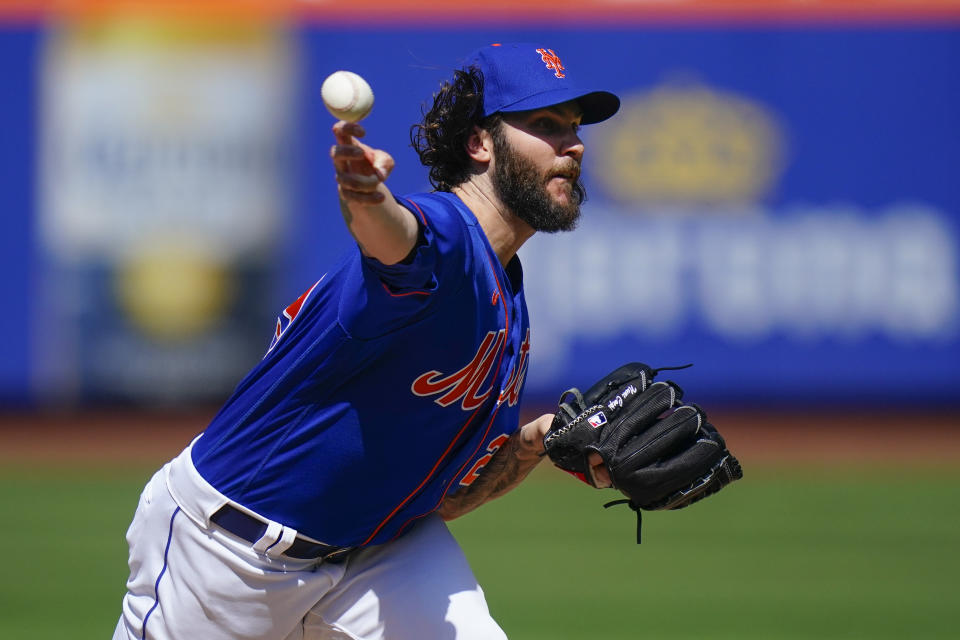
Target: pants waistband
206,506
252,529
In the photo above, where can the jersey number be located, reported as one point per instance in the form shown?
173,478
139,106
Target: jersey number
482,462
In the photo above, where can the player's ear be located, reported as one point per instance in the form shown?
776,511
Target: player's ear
479,145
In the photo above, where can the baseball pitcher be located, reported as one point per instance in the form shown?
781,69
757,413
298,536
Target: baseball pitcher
388,401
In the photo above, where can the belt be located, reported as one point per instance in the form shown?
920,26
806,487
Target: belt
251,529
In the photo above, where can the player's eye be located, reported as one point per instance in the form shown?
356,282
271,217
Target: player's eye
545,124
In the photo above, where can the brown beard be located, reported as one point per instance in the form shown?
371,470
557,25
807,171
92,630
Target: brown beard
523,189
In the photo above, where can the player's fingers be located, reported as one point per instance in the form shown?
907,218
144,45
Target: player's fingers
381,162
350,158
347,152
345,132
599,471
358,181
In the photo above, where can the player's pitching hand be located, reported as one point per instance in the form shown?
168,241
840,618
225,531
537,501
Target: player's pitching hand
361,169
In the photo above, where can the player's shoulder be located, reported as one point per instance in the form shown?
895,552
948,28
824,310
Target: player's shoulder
439,209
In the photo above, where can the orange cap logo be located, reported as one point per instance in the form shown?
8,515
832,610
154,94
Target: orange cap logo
552,61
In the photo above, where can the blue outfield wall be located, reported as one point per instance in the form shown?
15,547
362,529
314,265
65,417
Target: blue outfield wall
18,50
778,206
834,276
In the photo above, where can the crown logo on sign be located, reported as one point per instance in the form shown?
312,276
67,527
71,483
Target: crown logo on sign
552,61
683,142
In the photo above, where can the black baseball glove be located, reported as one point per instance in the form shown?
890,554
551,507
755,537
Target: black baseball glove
659,455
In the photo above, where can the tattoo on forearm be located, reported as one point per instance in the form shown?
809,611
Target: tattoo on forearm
504,471
348,218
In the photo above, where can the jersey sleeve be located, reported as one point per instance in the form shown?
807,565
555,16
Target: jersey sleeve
437,261
388,296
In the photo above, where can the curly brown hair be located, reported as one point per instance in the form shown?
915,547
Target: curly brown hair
440,139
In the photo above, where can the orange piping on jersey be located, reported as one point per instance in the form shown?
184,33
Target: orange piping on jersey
506,314
443,456
423,219
453,478
400,295
423,482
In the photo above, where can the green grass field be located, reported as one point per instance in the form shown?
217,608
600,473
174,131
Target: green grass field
867,553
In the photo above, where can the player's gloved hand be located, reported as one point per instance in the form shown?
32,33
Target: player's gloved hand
360,168
658,454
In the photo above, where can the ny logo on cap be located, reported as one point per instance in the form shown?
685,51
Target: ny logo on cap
553,61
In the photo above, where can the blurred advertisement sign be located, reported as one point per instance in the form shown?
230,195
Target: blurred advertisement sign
776,206
164,171
776,201
687,143
805,276
699,257
689,165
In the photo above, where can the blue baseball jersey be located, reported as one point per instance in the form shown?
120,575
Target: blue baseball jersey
385,387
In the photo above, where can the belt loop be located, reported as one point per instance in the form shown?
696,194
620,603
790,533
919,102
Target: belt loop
287,537
269,537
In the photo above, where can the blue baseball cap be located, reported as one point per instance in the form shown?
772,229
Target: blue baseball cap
522,76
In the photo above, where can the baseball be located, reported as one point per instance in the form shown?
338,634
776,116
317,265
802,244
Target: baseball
347,96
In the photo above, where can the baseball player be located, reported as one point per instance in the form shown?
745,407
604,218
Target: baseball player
313,505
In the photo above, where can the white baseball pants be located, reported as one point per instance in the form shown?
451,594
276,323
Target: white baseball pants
190,579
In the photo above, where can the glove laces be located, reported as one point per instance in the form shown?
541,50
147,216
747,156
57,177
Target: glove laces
677,368
635,509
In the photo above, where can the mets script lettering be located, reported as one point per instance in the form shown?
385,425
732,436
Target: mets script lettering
511,393
467,385
553,61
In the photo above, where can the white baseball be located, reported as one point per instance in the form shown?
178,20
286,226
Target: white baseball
347,96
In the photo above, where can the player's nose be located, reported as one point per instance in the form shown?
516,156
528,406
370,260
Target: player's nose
572,147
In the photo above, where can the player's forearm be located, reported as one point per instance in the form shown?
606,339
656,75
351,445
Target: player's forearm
385,230
504,472
509,466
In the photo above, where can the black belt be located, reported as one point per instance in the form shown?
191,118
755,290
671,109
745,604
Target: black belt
251,529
